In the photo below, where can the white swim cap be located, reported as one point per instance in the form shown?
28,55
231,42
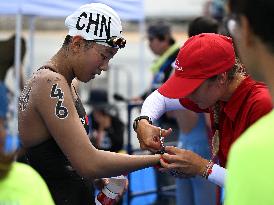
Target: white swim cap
95,21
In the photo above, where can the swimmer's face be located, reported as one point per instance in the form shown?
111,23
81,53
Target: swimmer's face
92,59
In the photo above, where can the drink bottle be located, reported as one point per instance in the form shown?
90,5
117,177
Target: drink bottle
110,194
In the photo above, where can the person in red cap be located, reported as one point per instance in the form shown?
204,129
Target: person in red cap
208,78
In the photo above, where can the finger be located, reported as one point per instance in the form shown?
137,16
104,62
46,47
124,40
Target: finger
169,158
166,165
166,133
126,185
153,143
156,139
105,181
173,150
100,183
163,170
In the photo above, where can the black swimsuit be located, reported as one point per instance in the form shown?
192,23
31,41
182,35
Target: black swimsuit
65,185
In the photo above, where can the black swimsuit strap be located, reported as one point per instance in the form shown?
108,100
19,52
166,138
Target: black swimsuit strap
47,67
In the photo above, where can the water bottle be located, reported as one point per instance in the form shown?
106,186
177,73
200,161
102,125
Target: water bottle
110,194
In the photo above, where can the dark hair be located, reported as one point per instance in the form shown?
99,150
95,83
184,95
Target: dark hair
202,24
238,68
8,54
7,51
68,39
23,46
260,14
160,30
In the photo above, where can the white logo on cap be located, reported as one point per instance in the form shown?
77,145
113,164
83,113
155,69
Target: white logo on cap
179,68
100,20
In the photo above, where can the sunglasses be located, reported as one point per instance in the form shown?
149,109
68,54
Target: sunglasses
114,42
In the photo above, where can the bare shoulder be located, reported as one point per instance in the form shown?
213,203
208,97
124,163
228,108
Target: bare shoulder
43,79
50,90
37,86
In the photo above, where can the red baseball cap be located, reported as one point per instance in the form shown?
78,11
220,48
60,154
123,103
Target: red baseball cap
201,57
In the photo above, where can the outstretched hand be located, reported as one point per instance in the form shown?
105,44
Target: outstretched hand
100,183
149,136
184,162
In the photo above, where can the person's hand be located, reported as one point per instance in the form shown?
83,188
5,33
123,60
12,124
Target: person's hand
100,183
125,187
123,184
183,162
149,135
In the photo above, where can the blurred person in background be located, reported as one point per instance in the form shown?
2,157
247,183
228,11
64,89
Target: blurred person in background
208,78
107,129
19,183
53,125
7,53
194,131
7,60
7,107
215,9
250,162
202,24
163,45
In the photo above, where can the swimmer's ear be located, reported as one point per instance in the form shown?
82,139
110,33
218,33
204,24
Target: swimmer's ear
76,43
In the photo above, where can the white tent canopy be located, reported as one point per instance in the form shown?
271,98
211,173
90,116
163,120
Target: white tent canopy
127,9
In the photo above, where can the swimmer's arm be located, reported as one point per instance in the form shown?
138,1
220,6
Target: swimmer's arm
54,103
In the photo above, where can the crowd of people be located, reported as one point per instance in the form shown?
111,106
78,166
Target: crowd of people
222,116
